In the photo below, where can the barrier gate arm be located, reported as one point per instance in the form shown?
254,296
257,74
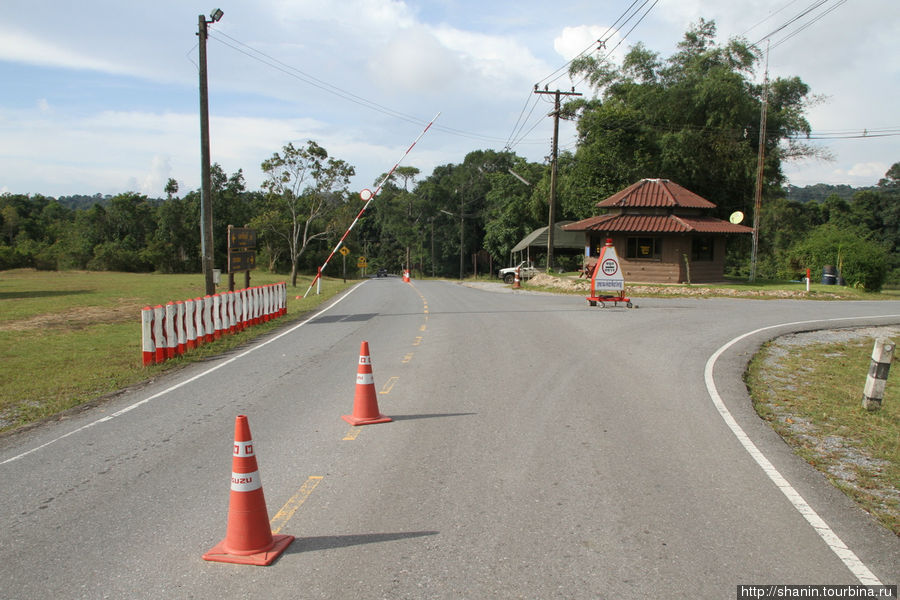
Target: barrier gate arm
368,196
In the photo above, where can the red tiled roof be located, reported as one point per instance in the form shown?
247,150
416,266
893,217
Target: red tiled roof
655,193
624,223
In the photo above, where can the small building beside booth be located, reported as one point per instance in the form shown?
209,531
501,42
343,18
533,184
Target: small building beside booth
661,232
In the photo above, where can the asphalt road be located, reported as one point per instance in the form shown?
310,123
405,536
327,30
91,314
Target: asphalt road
540,448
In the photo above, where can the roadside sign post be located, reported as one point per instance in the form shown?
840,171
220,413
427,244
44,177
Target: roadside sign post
344,252
362,264
241,253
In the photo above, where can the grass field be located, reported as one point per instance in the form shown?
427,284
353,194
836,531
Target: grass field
812,395
70,337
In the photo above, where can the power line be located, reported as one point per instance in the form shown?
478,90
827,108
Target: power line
608,54
601,41
313,81
512,140
812,7
804,26
607,35
770,15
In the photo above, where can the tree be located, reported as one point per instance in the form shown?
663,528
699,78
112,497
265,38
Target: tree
303,187
171,188
692,118
891,178
861,261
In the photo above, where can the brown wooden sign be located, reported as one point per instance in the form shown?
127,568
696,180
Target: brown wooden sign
241,249
241,260
241,238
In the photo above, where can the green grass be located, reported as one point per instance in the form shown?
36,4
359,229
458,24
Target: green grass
69,338
812,395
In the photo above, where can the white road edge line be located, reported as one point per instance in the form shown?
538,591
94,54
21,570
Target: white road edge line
127,409
856,566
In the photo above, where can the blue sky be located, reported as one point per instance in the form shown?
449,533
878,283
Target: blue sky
101,96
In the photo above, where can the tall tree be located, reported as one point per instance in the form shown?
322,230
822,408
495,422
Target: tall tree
303,188
692,118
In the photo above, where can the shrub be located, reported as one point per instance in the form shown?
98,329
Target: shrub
862,262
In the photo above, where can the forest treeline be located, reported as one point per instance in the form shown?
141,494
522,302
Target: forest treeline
691,117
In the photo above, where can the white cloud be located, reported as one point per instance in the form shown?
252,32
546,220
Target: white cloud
415,61
497,62
873,171
18,46
106,120
156,179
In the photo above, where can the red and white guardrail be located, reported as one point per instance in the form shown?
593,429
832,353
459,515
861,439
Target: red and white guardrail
171,330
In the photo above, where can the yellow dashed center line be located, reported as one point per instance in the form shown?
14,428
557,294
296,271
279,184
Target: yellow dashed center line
352,434
389,385
287,511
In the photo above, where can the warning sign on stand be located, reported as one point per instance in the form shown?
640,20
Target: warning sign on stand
607,274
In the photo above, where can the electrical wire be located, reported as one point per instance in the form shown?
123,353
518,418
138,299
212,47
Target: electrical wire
601,41
313,81
816,4
804,26
511,143
771,14
619,43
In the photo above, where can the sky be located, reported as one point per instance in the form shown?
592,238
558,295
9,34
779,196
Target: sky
101,96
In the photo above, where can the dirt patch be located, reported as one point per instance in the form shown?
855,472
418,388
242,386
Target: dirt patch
78,318
576,284
562,283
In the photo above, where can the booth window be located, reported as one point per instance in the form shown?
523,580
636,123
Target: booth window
702,248
644,248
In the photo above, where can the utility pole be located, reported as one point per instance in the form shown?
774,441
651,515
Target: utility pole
553,167
206,220
760,163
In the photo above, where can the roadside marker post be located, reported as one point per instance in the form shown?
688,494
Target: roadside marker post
882,355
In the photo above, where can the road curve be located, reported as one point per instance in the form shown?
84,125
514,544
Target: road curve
540,448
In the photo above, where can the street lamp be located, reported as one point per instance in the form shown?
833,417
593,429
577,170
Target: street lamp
206,220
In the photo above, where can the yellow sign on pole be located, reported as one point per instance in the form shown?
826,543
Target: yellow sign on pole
362,263
344,250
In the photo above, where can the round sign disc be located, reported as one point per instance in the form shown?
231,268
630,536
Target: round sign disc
610,267
366,194
736,217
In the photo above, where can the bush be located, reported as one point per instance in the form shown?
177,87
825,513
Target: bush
118,256
862,262
11,258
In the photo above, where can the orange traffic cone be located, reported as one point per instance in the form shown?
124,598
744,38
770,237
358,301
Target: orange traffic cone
248,538
365,404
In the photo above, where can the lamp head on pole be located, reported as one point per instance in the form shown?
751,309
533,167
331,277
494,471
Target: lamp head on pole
216,15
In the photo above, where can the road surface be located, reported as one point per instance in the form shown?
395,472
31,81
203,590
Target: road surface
540,448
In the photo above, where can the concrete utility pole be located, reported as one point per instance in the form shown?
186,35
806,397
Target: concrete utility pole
206,220
553,168
760,166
